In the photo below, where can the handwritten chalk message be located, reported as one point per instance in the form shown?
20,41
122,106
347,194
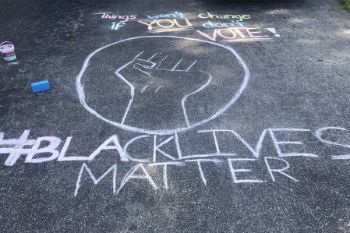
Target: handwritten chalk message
175,15
217,27
166,25
121,20
237,34
111,15
173,151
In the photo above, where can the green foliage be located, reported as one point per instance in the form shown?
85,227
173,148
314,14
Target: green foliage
346,4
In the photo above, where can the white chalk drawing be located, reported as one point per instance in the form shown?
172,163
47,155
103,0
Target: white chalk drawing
275,173
167,25
239,34
252,165
162,76
115,16
51,148
150,68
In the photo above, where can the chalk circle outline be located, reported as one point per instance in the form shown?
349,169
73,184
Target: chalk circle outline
237,94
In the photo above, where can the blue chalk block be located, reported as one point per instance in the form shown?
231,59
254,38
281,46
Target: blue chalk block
40,86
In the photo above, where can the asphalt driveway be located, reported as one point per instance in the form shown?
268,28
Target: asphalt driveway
175,116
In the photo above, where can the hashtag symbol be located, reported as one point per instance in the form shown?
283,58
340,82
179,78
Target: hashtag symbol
15,147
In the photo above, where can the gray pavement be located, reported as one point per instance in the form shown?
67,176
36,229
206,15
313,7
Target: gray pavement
175,116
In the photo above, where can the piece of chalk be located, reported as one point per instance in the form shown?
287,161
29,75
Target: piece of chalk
40,86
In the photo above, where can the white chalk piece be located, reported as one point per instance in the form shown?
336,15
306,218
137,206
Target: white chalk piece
7,49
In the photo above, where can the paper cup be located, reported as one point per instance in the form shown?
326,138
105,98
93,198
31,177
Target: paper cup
7,49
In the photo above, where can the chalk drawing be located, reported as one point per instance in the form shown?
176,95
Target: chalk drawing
244,169
209,15
277,169
131,175
234,171
255,151
165,170
119,20
281,171
150,68
278,143
111,143
213,24
176,14
273,30
51,148
234,20
54,142
117,25
157,65
84,167
319,133
236,34
167,25
111,15
16,150
200,169
227,27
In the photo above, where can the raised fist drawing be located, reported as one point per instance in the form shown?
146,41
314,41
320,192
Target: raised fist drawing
160,84
165,85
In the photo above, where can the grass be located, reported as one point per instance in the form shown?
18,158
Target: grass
346,4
